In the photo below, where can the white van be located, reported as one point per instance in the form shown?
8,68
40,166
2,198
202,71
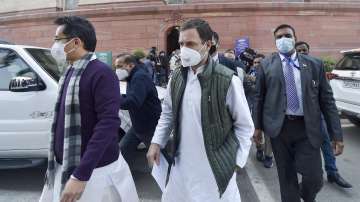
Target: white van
28,90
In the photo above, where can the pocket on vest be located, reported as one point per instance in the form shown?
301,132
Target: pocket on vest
214,136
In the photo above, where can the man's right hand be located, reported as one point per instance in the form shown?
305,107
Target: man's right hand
338,147
153,154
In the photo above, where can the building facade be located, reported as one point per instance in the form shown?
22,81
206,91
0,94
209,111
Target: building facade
123,25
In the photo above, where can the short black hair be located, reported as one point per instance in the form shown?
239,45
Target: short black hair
203,28
230,50
259,55
76,26
284,26
128,58
216,37
299,43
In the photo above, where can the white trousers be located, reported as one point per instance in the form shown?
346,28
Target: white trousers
205,190
111,183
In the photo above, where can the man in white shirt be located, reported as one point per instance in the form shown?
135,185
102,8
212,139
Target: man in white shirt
206,108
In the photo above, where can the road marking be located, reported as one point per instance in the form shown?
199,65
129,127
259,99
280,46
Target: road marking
149,200
349,125
257,181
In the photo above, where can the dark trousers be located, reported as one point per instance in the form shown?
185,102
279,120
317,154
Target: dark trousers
327,151
294,154
130,142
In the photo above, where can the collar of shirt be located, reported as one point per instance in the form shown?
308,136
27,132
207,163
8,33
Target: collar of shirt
294,59
216,57
198,70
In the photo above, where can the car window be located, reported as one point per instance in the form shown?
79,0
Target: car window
349,62
46,61
11,66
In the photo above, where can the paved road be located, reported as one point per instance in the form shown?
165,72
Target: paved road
24,185
348,164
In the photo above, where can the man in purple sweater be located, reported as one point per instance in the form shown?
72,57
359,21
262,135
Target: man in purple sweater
84,161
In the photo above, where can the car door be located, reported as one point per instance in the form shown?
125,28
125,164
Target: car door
25,117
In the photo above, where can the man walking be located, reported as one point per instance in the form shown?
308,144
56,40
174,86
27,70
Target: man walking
292,91
262,142
142,102
328,154
206,106
84,162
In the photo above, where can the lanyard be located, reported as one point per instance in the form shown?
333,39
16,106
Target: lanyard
291,61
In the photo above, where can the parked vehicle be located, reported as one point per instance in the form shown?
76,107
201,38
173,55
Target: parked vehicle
28,90
345,82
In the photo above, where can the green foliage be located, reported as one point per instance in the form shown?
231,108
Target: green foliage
329,63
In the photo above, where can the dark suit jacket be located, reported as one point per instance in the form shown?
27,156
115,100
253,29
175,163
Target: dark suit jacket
231,64
270,99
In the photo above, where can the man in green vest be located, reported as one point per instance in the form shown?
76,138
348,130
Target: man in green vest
206,109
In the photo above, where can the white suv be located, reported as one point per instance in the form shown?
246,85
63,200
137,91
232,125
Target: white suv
28,90
345,82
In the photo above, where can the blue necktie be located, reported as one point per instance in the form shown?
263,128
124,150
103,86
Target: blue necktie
292,96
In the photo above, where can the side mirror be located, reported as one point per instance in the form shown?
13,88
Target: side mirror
25,84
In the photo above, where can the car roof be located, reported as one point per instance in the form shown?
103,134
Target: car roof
12,46
357,50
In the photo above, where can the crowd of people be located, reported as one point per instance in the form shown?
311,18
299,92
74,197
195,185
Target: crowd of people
215,105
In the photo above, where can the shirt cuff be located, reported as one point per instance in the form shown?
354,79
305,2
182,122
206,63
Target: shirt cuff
241,158
158,141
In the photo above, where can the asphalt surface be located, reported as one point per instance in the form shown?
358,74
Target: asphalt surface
25,185
266,182
256,183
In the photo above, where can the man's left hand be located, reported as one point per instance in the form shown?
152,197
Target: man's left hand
73,190
338,147
258,137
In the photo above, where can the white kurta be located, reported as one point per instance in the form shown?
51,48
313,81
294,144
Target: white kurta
111,183
191,178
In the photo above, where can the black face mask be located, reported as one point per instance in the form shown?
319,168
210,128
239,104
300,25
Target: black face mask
212,49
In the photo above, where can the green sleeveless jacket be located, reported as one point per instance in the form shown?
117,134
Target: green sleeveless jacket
220,141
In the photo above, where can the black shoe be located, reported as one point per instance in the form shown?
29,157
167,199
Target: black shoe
338,180
268,162
302,194
260,155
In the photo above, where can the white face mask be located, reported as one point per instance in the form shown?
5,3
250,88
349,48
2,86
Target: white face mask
285,45
122,74
58,52
190,57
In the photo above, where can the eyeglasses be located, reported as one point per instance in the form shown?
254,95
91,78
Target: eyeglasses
59,39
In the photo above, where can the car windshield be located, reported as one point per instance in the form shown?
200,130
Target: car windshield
46,61
349,62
